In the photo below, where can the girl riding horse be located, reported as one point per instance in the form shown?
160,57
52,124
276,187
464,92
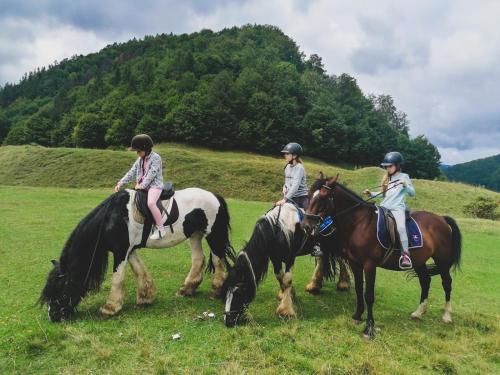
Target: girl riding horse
356,222
395,186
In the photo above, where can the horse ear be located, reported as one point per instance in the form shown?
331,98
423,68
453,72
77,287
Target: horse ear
321,176
333,180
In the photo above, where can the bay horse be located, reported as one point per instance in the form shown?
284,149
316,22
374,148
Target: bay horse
356,236
114,226
277,237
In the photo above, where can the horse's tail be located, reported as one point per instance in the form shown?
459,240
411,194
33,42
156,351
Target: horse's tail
456,240
218,239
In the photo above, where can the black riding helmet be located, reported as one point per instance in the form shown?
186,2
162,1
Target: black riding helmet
393,158
141,142
292,148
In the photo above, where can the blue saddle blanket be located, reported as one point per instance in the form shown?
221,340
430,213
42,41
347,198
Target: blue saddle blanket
415,238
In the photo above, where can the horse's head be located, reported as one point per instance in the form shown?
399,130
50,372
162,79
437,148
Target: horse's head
59,294
239,290
320,204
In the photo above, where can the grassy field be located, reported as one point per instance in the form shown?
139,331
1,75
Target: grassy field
233,174
35,222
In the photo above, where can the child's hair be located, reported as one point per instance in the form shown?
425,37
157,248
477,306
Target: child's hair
298,159
385,179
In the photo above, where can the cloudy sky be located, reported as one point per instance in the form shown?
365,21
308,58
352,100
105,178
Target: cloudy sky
440,60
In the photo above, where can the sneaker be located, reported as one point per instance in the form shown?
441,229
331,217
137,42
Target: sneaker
405,262
158,234
316,251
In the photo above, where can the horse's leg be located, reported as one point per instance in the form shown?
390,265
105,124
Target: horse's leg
344,280
370,274
114,303
446,281
316,282
285,308
145,285
195,275
219,277
358,286
425,281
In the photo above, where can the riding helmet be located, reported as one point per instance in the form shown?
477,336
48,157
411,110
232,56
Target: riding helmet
141,142
393,158
292,148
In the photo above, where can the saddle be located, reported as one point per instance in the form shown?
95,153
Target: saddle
166,203
387,233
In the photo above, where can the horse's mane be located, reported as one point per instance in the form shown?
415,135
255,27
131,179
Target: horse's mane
84,255
358,199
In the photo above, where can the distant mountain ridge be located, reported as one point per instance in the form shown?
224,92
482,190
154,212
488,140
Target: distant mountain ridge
484,172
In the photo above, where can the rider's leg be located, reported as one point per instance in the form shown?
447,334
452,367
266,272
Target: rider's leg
400,217
153,195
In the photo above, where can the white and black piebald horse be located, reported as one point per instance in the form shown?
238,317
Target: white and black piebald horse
114,226
277,237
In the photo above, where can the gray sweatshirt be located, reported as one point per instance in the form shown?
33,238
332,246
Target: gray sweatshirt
147,172
295,181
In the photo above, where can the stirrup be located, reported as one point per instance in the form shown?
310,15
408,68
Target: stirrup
410,266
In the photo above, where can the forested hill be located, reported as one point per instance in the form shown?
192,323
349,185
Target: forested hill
484,172
247,88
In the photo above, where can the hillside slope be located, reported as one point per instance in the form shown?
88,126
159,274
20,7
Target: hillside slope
484,172
238,175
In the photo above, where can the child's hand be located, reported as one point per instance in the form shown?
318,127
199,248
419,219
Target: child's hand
137,186
280,202
367,192
116,189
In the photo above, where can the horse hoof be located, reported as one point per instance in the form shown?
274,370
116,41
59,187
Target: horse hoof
343,286
367,336
313,288
215,294
447,320
416,316
184,293
109,310
286,313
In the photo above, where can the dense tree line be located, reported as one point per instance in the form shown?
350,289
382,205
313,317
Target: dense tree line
241,88
484,172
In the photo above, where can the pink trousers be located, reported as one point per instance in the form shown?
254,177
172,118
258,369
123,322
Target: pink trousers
153,195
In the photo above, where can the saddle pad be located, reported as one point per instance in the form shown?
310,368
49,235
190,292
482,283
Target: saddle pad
415,239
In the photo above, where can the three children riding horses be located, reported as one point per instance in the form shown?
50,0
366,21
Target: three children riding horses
396,185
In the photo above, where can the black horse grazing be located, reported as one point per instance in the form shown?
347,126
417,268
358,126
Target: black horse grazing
356,222
116,226
276,237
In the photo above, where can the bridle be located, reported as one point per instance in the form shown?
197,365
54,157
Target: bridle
326,224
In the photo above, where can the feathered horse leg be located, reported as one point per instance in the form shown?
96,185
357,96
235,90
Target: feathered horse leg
316,283
114,303
195,275
285,308
145,286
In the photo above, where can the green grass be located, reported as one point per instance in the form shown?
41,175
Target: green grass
233,174
35,222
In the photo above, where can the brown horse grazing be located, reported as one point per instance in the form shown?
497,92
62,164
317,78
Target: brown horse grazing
355,221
